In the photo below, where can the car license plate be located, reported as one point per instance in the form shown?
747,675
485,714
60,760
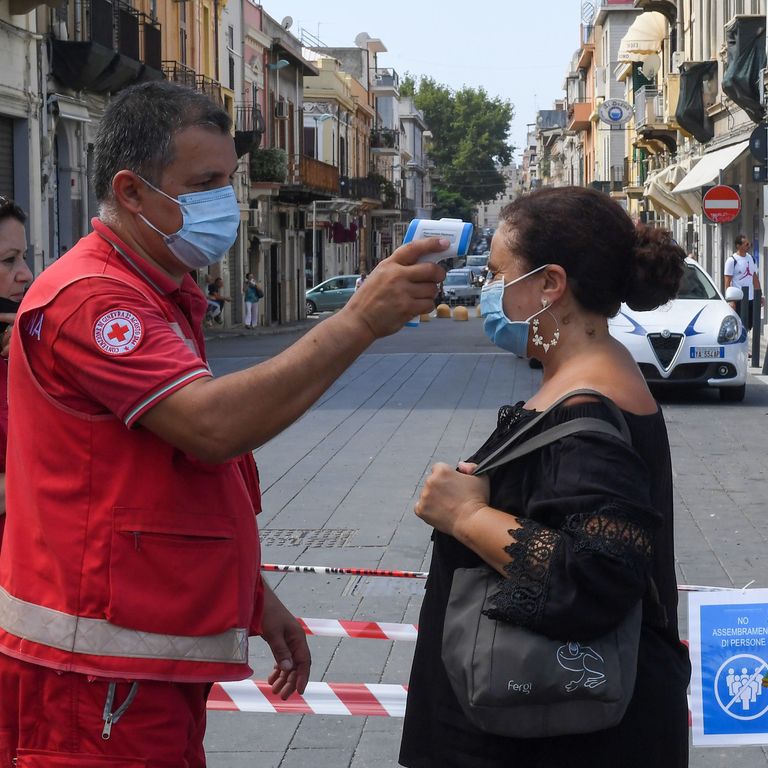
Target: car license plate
707,353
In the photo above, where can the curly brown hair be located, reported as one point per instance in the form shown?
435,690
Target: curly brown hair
606,258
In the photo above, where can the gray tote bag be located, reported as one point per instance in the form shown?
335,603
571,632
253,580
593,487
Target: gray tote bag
515,682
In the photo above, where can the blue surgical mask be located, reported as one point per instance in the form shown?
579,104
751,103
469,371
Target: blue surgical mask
511,335
209,225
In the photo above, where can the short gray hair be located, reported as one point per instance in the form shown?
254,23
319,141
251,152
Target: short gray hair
137,131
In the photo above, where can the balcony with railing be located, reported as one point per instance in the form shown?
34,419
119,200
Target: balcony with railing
210,87
318,177
649,108
578,116
249,128
408,206
650,121
385,141
385,82
359,188
180,73
115,45
607,186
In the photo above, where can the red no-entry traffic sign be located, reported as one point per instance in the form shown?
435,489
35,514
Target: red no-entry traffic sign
721,204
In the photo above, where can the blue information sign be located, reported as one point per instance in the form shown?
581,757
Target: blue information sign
729,653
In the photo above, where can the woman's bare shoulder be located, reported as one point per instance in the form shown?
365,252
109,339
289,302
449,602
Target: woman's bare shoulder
615,376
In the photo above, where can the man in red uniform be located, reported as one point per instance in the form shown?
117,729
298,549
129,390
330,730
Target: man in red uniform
129,574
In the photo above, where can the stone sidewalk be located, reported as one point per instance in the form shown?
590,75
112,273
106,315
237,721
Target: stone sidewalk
342,482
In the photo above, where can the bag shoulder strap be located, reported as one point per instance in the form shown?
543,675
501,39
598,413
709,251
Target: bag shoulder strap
508,451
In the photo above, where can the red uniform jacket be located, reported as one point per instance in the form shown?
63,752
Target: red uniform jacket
122,555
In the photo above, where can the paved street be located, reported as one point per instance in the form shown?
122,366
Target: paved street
339,488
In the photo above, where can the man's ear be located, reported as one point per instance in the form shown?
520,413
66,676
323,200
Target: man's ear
129,191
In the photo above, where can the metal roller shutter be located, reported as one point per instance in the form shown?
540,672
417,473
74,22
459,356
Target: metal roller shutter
6,156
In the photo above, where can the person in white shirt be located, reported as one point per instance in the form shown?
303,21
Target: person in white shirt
741,271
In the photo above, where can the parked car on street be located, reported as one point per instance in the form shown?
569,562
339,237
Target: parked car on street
331,294
477,261
695,340
462,286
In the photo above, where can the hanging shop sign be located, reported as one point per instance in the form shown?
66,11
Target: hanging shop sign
615,112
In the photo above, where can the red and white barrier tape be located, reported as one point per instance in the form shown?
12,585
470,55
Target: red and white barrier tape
331,570
357,699
360,699
370,630
324,570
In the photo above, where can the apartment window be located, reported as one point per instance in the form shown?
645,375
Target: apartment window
206,33
231,37
6,156
183,32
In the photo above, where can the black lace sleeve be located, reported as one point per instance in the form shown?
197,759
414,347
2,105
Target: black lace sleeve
584,550
537,552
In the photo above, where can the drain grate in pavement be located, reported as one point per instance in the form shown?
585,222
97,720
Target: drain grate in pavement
325,538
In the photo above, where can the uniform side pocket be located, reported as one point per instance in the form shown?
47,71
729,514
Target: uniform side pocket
173,573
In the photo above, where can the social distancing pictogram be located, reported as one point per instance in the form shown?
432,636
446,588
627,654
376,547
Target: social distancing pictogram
728,634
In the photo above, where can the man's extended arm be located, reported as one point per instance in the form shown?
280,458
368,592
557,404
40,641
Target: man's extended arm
201,418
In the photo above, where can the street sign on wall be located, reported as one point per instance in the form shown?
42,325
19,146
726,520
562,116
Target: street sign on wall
721,203
758,144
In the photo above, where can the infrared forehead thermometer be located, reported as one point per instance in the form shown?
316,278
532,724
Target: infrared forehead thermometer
456,231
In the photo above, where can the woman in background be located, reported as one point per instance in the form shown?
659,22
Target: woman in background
15,276
251,295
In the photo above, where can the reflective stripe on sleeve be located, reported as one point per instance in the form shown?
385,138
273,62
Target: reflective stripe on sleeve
144,404
97,637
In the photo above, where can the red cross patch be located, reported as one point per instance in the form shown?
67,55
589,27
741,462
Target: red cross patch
118,332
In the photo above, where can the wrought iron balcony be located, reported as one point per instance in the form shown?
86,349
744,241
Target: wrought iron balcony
115,46
249,128
358,188
180,73
385,82
649,108
210,87
385,141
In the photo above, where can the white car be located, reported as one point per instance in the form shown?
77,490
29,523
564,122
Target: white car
695,340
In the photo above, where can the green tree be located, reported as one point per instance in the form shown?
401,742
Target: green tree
470,142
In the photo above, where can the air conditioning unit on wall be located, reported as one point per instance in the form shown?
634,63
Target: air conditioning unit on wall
281,110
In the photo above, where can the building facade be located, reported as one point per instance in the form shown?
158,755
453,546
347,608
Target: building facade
690,77
330,166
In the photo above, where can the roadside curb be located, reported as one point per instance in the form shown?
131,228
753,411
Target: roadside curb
212,334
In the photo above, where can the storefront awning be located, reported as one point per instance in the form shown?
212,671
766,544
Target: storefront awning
674,175
658,194
710,165
644,36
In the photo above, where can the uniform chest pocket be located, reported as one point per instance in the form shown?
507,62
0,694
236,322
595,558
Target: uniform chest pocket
173,573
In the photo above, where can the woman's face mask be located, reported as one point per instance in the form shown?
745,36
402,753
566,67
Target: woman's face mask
210,221
511,335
